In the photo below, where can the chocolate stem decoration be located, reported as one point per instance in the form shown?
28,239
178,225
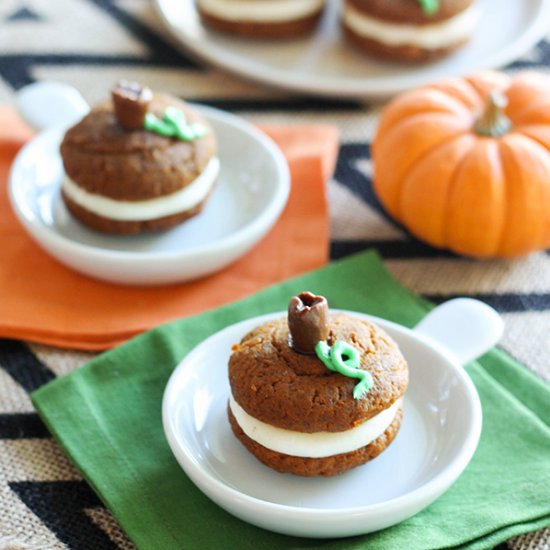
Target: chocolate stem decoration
307,321
131,101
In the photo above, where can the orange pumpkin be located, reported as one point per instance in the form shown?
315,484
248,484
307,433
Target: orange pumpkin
464,164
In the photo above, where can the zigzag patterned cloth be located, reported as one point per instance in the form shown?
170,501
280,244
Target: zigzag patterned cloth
44,503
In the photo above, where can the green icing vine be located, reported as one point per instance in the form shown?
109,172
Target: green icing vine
429,7
173,124
344,358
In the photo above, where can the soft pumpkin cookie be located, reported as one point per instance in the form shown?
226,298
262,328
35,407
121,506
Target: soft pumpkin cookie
409,30
261,18
316,394
142,161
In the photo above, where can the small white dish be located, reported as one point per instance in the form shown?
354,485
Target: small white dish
249,197
439,434
323,64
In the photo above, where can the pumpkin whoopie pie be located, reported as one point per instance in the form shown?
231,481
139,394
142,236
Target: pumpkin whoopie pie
141,161
316,394
261,18
409,30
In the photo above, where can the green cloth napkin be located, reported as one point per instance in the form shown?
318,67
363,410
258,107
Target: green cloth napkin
107,417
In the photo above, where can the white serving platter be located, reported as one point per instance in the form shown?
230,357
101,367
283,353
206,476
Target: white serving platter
323,64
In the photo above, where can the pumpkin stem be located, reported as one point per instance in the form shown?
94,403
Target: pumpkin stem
493,122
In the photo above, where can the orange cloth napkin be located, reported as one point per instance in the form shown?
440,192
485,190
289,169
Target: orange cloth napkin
43,301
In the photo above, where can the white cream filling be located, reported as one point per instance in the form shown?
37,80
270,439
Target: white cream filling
317,444
121,210
263,11
430,37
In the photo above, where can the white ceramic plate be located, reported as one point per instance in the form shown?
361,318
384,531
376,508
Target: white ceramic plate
438,437
323,64
251,193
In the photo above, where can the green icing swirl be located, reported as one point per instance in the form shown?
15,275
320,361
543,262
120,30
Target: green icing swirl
173,124
344,358
429,7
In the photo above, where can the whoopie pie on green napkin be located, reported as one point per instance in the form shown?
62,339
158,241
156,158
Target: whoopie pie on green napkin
107,417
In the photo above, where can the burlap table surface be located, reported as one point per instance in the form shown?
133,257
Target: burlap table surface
44,503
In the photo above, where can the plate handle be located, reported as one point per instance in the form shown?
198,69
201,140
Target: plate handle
45,104
464,326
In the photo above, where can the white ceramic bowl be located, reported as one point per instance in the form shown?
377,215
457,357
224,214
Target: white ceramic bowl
250,195
439,433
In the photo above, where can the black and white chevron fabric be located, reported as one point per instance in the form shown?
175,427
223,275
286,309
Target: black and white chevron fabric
44,503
